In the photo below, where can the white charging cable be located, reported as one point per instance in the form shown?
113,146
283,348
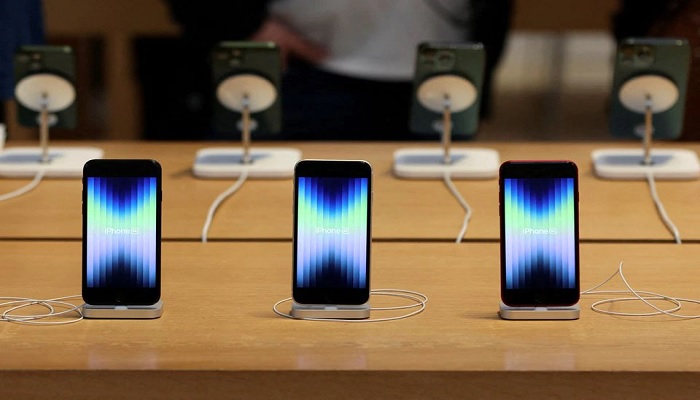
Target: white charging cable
661,210
14,304
217,202
467,208
26,188
638,295
3,136
418,301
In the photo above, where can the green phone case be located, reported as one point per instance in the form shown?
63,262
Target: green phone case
667,57
59,60
462,59
259,58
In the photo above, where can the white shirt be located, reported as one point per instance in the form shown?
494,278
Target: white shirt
374,39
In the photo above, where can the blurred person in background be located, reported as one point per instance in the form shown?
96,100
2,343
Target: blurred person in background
348,63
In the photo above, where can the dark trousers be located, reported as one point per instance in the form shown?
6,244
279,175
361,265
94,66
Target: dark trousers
318,105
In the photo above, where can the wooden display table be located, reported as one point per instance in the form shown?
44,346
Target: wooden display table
218,337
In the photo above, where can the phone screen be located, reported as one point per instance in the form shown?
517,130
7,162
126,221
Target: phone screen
121,239
539,236
121,228
332,236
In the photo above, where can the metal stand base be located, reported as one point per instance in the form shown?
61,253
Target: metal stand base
539,313
123,312
427,163
268,163
325,311
64,162
628,164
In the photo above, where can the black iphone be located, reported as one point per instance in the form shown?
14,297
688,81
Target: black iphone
332,232
121,232
539,233
257,58
54,60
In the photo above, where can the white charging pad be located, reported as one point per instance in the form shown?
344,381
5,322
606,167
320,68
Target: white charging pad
433,91
539,313
628,164
427,163
123,312
45,90
325,311
235,93
64,162
634,92
259,92
228,162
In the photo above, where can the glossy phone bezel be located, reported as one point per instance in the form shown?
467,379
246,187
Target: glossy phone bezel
122,296
538,297
332,168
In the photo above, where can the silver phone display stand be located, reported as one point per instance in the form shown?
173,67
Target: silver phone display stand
246,94
446,94
539,313
647,95
45,94
123,312
326,311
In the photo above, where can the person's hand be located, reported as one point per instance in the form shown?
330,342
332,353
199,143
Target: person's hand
290,42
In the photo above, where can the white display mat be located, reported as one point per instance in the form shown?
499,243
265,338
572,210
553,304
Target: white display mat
427,163
539,313
326,311
64,162
626,164
123,312
267,163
